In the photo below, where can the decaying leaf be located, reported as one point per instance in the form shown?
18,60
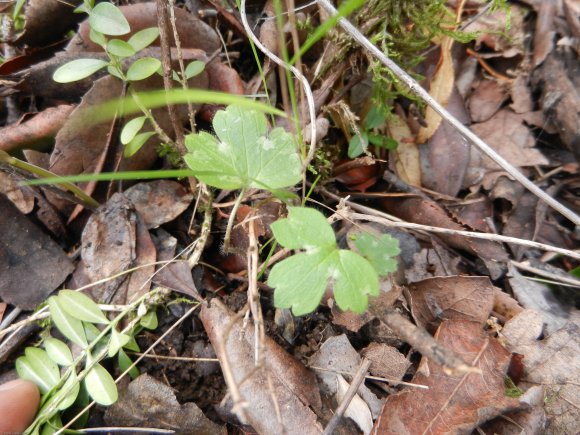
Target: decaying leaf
452,404
32,265
294,387
406,157
146,402
434,300
552,362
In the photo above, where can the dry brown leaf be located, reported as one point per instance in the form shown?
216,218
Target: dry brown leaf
32,265
506,133
451,298
21,197
160,201
148,403
452,404
177,274
357,410
114,240
35,131
47,21
336,355
406,159
386,361
446,155
293,386
553,362
440,89
486,100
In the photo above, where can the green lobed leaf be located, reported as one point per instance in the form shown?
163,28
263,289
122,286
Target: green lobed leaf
69,326
194,68
101,386
143,38
301,280
143,68
379,251
77,70
304,228
131,129
244,154
81,306
58,351
109,20
120,48
136,143
43,368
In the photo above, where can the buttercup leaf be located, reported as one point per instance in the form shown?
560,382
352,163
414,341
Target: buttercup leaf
301,280
244,154
379,250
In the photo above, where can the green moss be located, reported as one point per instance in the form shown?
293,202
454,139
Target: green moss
511,390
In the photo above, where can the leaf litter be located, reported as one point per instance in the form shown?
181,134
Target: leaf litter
520,99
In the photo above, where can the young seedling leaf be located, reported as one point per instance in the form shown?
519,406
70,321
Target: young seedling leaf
115,72
43,365
131,129
194,68
132,345
98,38
149,320
77,70
375,118
143,68
58,351
81,306
125,362
379,251
118,340
69,326
244,154
101,386
301,280
120,48
109,20
136,143
143,38
358,144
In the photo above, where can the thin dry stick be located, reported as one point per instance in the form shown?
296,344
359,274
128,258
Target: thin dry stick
299,76
416,88
372,215
352,389
426,344
254,295
162,22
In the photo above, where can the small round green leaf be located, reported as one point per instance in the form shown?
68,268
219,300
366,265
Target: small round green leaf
114,71
125,362
70,391
131,129
97,37
143,38
69,326
101,386
137,142
143,68
194,68
118,340
43,366
58,351
78,70
149,320
109,20
81,306
118,47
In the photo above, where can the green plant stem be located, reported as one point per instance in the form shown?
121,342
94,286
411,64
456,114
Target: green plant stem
162,135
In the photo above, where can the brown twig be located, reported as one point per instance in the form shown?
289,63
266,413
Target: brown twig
163,23
356,381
